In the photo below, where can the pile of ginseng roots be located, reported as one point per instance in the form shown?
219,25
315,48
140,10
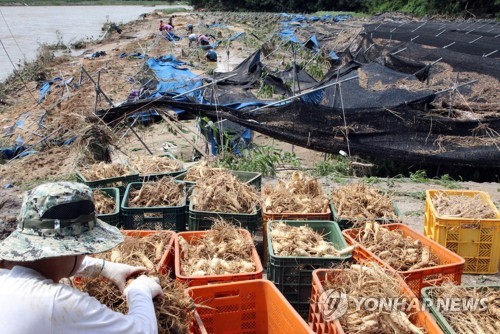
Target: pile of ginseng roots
483,319
103,170
173,310
104,204
164,192
401,252
300,194
301,241
155,164
359,201
222,250
371,281
204,171
224,193
462,206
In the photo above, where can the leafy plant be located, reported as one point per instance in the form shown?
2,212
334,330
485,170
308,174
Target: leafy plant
420,176
263,159
337,166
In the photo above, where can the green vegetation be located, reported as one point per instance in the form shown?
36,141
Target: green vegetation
36,70
263,159
89,2
336,166
418,7
420,176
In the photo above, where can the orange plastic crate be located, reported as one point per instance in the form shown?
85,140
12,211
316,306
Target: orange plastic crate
244,307
476,240
420,318
167,260
450,269
210,279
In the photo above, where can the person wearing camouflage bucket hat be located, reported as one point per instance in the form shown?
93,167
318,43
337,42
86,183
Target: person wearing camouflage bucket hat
57,228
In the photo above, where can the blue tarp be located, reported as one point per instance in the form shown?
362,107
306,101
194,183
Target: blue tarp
45,89
333,55
173,79
232,38
312,43
170,36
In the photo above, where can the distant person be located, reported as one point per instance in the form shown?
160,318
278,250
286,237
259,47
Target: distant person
171,21
166,27
211,55
203,40
192,39
190,28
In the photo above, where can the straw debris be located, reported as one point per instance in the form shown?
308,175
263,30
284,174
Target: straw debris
173,311
301,194
223,250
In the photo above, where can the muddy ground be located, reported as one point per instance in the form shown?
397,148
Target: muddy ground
68,109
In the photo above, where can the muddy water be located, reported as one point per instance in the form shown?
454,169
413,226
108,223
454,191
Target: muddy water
23,28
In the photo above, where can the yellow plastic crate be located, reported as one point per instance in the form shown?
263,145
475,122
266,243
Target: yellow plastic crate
476,240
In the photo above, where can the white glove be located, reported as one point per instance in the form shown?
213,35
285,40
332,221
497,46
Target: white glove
147,284
118,273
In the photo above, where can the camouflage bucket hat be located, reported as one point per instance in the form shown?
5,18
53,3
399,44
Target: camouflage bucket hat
58,219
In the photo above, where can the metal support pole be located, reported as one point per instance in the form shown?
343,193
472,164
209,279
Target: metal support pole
453,91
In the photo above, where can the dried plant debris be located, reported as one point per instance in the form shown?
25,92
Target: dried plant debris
462,206
146,165
473,320
372,281
103,170
173,311
104,204
224,193
203,171
300,194
400,252
359,201
222,250
302,241
164,192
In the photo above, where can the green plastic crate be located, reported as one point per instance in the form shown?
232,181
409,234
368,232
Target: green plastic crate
292,275
440,319
251,178
156,177
111,218
110,182
141,218
203,220
347,223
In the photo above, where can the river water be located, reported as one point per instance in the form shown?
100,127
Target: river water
23,28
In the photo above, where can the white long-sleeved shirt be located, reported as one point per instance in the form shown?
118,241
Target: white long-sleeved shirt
31,303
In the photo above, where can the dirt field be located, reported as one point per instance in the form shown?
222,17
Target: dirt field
70,110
